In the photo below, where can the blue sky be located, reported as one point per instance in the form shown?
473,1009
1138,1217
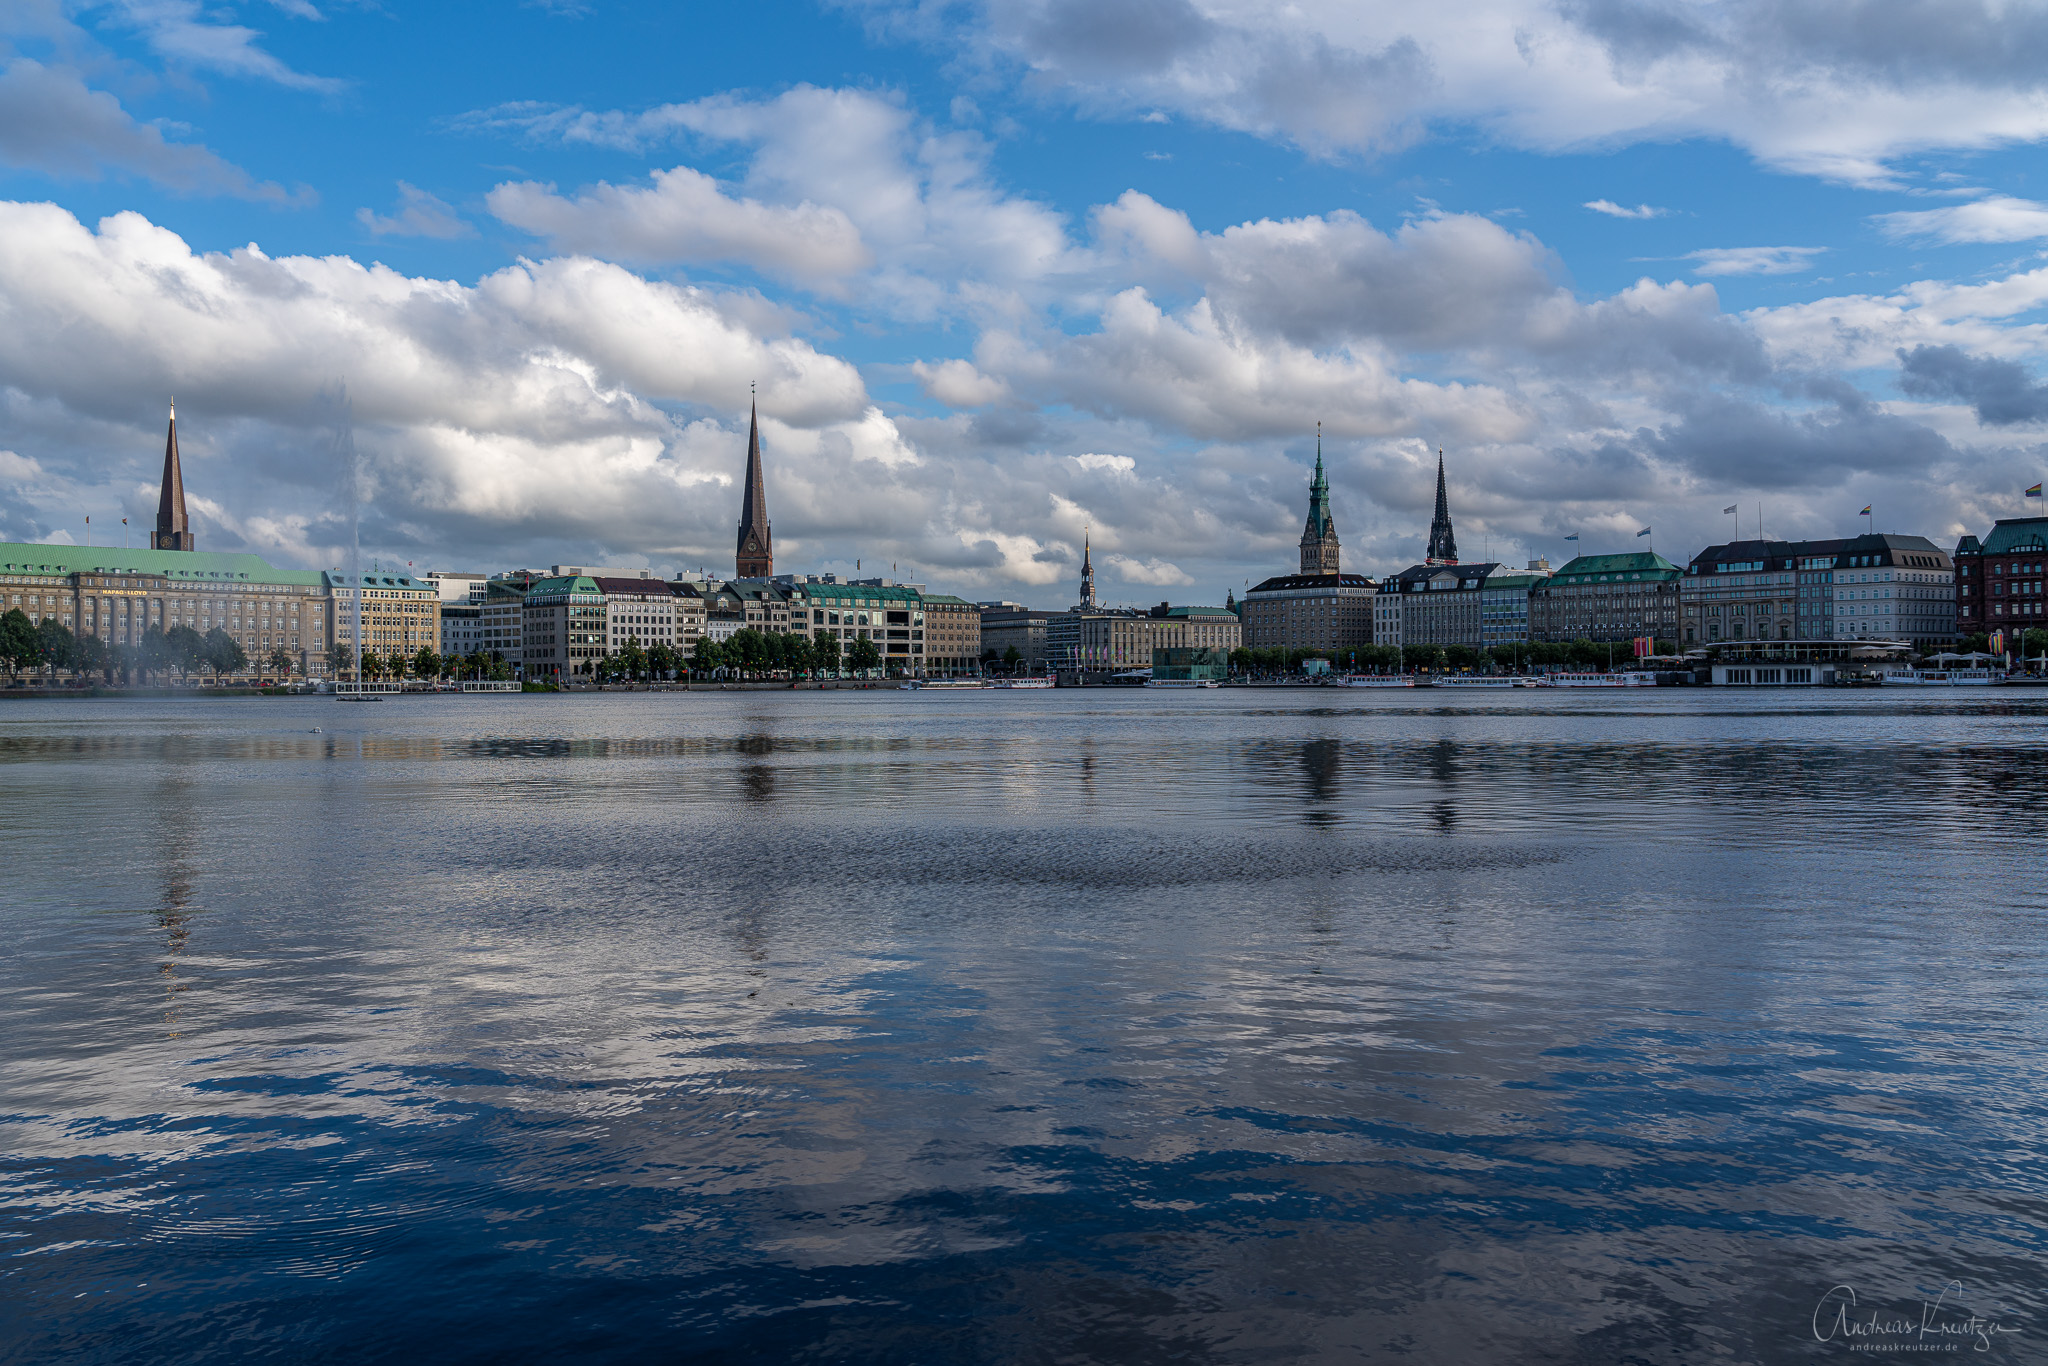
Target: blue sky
1005,272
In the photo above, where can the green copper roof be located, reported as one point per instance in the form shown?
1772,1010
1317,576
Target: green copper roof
382,580
841,592
1641,562
566,584
2016,534
187,566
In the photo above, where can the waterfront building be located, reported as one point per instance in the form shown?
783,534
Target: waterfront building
890,614
689,609
1436,602
1386,617
1872,587
1190,664
769,607
502,618
562,627
639,609
755,556
1895,588
1007,626
119,595
1331,612
462,629
400,614
458,588
1440,601
1999,580
1504,604
1124,638
1319,608
1608,597
952,634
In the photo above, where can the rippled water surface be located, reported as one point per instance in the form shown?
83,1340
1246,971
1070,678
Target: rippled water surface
1021,1028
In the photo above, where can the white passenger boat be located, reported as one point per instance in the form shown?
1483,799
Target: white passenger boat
1020,683
366,692
489,685
1621,680
1482,681
1941,678
1182,683
1376,681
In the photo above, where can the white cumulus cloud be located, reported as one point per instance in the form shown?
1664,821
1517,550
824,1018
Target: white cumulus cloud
1753,260
2000,218
1837,88
1156,571
685,217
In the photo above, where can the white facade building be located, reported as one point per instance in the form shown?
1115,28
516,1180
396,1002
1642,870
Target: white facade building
462,628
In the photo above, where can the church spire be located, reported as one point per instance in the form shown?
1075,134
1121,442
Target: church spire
1319,544
755,557
1087,573
173,531
1443,546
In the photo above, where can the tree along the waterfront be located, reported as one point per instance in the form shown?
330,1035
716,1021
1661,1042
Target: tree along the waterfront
223,654
18,643
862,656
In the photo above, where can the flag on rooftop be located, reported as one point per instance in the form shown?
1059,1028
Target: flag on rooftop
1573,537
1865,512
2034,492
1730,509
1644,532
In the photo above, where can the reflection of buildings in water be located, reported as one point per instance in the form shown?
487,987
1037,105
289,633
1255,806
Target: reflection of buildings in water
178,834
757,780
1442,763
1319,764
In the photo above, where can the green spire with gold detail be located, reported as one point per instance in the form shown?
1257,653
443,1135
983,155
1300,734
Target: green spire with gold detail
1319,544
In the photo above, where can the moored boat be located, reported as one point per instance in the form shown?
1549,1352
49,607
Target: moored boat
1621,680
1942,678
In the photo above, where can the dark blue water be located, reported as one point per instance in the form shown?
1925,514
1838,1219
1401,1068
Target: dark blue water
1011,1028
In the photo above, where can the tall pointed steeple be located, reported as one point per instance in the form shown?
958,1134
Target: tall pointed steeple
1087,572
755,558
173,531
1319,544
1443,546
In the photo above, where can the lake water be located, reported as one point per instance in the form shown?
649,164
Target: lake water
1286,1026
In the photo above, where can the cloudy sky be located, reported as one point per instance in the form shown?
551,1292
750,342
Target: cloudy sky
1005,270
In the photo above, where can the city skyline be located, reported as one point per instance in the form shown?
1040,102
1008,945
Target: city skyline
996,291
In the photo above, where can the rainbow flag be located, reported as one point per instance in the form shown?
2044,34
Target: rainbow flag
2034,492
1865,512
